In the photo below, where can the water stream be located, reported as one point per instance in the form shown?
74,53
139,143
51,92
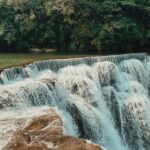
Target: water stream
102,99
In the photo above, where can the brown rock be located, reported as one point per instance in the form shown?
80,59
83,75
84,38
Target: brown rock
72,143
37,145
44,131
49,80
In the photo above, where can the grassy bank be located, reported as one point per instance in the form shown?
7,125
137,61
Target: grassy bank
9,60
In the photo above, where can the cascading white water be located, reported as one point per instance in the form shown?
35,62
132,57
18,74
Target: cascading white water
102,99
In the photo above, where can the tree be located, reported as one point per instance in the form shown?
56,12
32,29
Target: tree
106,26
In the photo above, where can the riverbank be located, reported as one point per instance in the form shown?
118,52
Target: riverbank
10,60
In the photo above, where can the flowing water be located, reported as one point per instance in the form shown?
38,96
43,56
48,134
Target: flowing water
102,99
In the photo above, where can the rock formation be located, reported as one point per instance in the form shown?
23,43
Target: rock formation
38,129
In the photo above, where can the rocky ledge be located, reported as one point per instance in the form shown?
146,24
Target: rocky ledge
38,129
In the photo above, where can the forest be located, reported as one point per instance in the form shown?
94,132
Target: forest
103,26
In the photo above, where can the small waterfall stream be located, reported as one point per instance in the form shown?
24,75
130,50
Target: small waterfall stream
102,99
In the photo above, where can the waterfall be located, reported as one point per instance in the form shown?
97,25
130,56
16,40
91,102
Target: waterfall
31,70
102,99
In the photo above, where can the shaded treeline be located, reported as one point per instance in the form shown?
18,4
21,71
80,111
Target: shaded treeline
105,26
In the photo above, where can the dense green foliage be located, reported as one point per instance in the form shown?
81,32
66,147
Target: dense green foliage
106,26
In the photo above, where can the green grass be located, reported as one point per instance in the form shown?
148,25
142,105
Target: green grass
9,60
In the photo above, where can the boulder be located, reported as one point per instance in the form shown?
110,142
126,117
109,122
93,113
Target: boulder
39,129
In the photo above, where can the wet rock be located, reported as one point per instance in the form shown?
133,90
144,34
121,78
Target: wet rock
49,81
41,131
107,72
